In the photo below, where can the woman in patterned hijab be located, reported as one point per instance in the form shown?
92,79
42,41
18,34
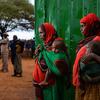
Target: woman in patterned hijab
90,28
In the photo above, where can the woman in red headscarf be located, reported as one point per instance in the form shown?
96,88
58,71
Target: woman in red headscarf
90,27
55,63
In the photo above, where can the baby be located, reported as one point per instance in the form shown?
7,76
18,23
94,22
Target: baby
92,47
89,67
57,46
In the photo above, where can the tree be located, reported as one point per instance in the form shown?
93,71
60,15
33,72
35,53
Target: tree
16,14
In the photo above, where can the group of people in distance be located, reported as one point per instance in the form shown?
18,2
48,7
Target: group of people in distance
16,47
51,75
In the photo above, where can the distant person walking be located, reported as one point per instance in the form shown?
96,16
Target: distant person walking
16,50
4,52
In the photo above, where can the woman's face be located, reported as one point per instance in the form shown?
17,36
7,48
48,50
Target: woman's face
83,27
42,33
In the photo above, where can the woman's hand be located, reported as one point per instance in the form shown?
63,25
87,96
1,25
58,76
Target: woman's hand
37,50
35,84
43,83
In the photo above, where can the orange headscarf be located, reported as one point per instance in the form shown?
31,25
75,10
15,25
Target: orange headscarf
50,32
90,21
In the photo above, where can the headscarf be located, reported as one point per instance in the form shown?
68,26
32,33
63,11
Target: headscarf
92,29
50,32
90,21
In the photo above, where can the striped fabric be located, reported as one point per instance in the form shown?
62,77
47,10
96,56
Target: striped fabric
91,92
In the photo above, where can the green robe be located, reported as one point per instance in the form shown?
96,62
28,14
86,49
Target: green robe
58,91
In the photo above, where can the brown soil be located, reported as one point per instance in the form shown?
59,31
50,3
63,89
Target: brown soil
17,88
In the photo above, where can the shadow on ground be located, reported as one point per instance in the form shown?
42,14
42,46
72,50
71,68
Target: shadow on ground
17,88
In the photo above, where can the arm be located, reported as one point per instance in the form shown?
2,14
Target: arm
92,56
37,50
62,66
65,72
96,57
47,76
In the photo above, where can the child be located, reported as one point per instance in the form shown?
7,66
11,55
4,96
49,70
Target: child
92,47
57,46
89,69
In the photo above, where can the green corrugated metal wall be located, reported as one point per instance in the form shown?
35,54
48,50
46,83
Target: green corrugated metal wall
65,16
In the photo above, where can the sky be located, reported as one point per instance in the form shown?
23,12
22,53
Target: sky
32,1
22,34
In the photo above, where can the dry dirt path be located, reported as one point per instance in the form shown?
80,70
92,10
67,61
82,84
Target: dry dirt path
17,88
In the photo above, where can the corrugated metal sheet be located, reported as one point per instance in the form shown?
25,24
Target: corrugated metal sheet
65,16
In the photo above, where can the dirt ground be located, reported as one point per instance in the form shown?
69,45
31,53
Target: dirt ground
17,88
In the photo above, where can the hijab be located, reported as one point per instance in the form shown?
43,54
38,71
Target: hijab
92,29
90,21
50,32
